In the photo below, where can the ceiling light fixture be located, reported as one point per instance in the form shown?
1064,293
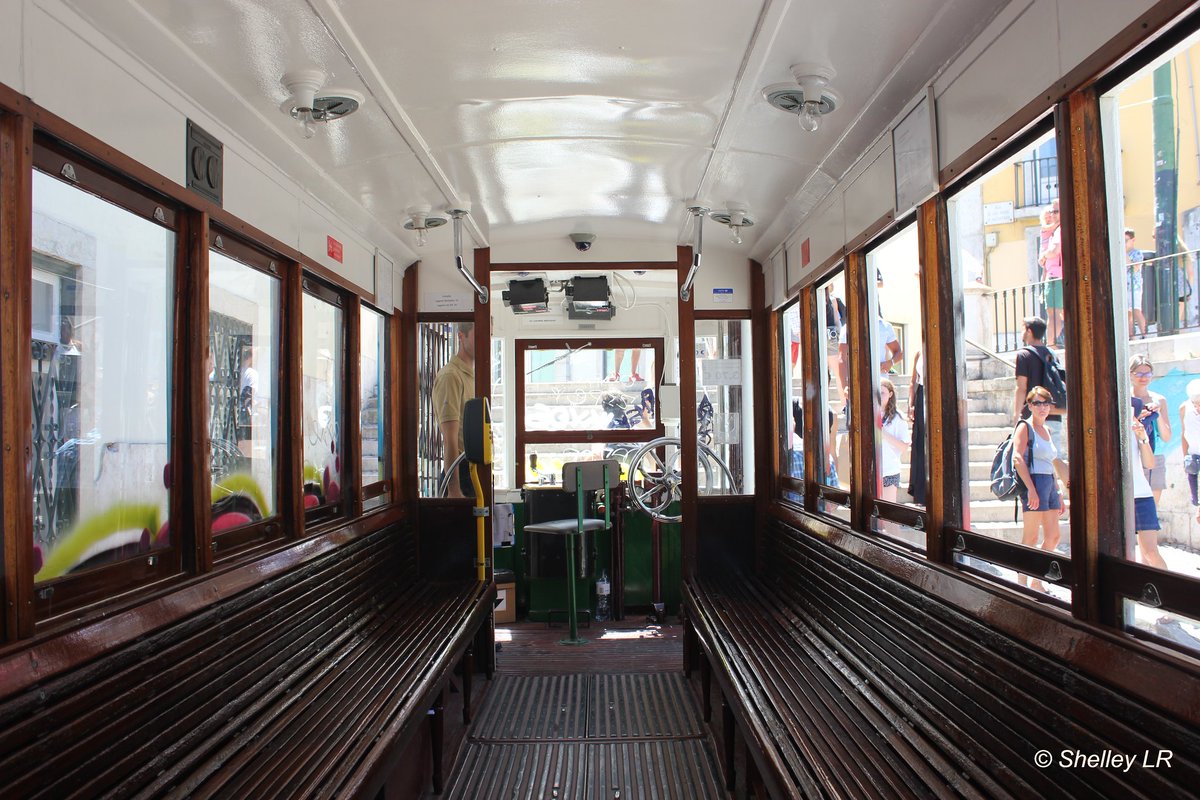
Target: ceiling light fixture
737,217
308,108
809,98
421,221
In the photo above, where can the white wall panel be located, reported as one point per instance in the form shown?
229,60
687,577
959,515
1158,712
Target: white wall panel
1021,62
358,258
872,195
826,232
12,44
776,281
255,197
1104,18
72,78
722,270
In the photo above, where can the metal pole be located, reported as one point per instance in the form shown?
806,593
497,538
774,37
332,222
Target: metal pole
572,608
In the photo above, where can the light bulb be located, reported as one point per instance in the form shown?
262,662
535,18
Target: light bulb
422,238
304,123
735,234
810,117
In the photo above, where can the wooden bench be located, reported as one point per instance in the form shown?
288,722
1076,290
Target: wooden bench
307,685
845,682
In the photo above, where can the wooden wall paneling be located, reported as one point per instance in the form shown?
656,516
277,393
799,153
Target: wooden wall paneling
1095,420
352,419
862,392
816,425
16,413
764,351
687,416
191,478
404,402
945,393
291,389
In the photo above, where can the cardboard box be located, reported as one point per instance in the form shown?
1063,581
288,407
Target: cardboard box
506,602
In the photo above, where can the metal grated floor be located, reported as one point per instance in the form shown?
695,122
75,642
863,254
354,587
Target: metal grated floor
563,737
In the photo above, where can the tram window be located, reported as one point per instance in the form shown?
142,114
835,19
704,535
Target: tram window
581,387
899,414
724,407
835,391
445,381
1005,244
322,375
791,448
373,400
1154,228
243,391
102,299
586,396
497,405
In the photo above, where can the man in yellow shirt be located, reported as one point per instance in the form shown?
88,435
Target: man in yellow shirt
452,388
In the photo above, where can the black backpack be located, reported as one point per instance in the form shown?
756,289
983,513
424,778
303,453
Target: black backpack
1054,377
1006,483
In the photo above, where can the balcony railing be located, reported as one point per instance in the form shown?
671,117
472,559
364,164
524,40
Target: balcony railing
1170,301
1035,181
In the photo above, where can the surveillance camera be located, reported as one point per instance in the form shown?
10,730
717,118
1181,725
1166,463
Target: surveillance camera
583,241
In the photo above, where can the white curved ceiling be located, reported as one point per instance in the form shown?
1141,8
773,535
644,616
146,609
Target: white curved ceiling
563,114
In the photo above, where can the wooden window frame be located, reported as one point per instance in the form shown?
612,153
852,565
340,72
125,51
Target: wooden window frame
595,436
55,600
320,517
233,543
384,486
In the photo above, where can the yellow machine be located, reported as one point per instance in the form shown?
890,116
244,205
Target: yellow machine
477,447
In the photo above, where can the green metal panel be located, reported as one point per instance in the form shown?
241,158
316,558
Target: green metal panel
639,560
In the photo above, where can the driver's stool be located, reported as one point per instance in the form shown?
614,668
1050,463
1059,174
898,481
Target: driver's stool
579,477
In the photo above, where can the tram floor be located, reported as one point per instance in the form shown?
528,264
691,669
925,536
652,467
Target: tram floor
614,718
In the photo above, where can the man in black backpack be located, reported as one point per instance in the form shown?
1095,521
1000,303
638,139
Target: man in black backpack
1031,371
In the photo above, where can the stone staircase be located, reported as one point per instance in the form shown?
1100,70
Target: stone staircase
989,385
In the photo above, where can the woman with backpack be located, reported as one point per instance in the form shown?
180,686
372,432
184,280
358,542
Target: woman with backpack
1150,408
1036,460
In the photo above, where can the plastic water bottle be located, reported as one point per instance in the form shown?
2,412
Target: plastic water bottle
602,595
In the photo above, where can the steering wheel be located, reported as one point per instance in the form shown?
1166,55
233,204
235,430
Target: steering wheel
655,479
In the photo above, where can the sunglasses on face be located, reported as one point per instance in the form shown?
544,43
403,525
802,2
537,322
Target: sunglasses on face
1143,374
1040,403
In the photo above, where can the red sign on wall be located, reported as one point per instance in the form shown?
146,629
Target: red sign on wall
334,248
804,256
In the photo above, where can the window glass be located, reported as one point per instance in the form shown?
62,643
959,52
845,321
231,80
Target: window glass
835,365
1154,226
243,391
322,402
101,364
724,401
1006,245
899,386
792,414
585,388
372,417
497,405
445,381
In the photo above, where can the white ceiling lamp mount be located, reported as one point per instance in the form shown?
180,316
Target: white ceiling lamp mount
310,104
421,221
737,218
809,98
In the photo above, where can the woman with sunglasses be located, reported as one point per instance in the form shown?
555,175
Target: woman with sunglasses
1042,502
1150,408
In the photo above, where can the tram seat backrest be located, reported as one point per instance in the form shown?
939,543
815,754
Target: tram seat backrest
849,682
